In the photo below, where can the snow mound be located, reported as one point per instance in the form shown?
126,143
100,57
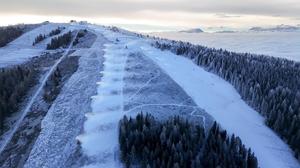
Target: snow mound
100,138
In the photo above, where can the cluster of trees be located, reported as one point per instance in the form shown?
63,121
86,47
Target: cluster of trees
80,34
14,84
53,86
42,37
56,31
176,143
64,70
60,41
9,33
38,39
270,85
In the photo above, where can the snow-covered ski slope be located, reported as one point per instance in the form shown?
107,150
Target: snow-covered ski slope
99,139
210,92
21,49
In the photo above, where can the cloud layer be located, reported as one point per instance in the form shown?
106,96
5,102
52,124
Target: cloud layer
153,10
290,8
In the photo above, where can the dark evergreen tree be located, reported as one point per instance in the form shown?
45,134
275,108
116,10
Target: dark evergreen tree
56,31
38,39
9,33
80,34
14,84
64,70
42,37
145,142
60,41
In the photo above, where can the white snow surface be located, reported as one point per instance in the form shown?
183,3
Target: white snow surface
277,44
21,49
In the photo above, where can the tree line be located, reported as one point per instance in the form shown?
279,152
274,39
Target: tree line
16,81
38,39
42,37
56,31
80,34
60,41
269,85
63,72
9,33
14,85
177,143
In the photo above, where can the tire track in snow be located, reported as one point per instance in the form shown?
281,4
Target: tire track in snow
195,108
144,105
144,86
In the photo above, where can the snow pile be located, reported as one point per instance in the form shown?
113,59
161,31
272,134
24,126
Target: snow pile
100,138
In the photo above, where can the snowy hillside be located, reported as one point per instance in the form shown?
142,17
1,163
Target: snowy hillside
21,49
121,73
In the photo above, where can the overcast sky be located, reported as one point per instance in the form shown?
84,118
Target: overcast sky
156,14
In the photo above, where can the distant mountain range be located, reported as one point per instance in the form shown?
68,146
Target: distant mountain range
226,31
279,28
196,30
